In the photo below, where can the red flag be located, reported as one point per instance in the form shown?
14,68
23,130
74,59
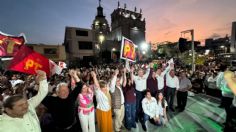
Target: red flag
9,44
28,61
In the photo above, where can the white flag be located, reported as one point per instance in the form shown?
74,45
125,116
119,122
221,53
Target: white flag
54,68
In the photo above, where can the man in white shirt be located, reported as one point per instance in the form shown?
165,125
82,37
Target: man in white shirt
19,113
150,109
160,77
172,83
140,86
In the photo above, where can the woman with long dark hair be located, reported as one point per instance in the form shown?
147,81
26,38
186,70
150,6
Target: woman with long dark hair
130,101
162,104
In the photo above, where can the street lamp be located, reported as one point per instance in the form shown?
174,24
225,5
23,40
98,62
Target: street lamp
113,49
223,48
144,46
101,38
193,52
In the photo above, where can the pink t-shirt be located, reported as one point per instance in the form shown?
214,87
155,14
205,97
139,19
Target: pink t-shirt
86,102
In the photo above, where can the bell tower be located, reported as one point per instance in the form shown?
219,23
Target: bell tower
100,24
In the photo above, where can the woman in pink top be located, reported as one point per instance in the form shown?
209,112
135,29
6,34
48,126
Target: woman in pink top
86,109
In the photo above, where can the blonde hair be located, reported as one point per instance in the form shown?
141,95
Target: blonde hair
102,84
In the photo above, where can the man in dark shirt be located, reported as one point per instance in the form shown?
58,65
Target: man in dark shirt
63,106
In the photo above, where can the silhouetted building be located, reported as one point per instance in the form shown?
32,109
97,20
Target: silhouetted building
233,38
220,45
129,24
100,24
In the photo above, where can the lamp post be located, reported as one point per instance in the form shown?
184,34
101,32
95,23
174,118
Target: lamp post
113,49
101,38
193,52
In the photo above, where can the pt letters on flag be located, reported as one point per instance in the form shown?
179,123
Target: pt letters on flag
28,61
128,50
9,44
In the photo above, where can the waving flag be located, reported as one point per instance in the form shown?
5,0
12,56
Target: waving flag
28,61
128,50
54,68
9,44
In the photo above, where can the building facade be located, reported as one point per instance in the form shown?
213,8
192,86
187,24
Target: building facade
233,38
129,24
79,44
102,43
53,52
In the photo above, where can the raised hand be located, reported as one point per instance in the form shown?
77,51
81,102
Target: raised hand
124,70
93,74
116,72
41,75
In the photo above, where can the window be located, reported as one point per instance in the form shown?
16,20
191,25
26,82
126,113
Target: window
83,45
81,33
50,51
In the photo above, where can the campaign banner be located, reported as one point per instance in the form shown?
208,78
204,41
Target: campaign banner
128,50
9,44
28,61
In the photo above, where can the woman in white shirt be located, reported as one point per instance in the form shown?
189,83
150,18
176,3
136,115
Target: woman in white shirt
162,104
103,111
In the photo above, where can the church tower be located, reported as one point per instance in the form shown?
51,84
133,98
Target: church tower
129,24
100,24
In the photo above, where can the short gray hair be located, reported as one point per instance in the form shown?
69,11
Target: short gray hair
59,86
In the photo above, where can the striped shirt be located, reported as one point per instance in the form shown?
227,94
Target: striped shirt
103,102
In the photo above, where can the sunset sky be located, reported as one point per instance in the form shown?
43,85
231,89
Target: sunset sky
44,21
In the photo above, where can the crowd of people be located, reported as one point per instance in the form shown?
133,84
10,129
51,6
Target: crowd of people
107,98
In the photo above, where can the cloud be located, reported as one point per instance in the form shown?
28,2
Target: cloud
215,35
167,33
224,28
165,24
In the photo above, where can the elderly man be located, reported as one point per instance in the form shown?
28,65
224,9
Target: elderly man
62,106
182,93
19,113
172,83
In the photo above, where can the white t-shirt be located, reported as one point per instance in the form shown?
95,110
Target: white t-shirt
160,109
103,102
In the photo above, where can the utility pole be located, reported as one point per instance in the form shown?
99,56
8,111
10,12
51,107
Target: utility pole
193,52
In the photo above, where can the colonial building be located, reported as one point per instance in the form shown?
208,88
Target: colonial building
129,24
102,43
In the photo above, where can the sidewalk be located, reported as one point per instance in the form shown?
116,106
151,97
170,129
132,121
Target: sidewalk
202,114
